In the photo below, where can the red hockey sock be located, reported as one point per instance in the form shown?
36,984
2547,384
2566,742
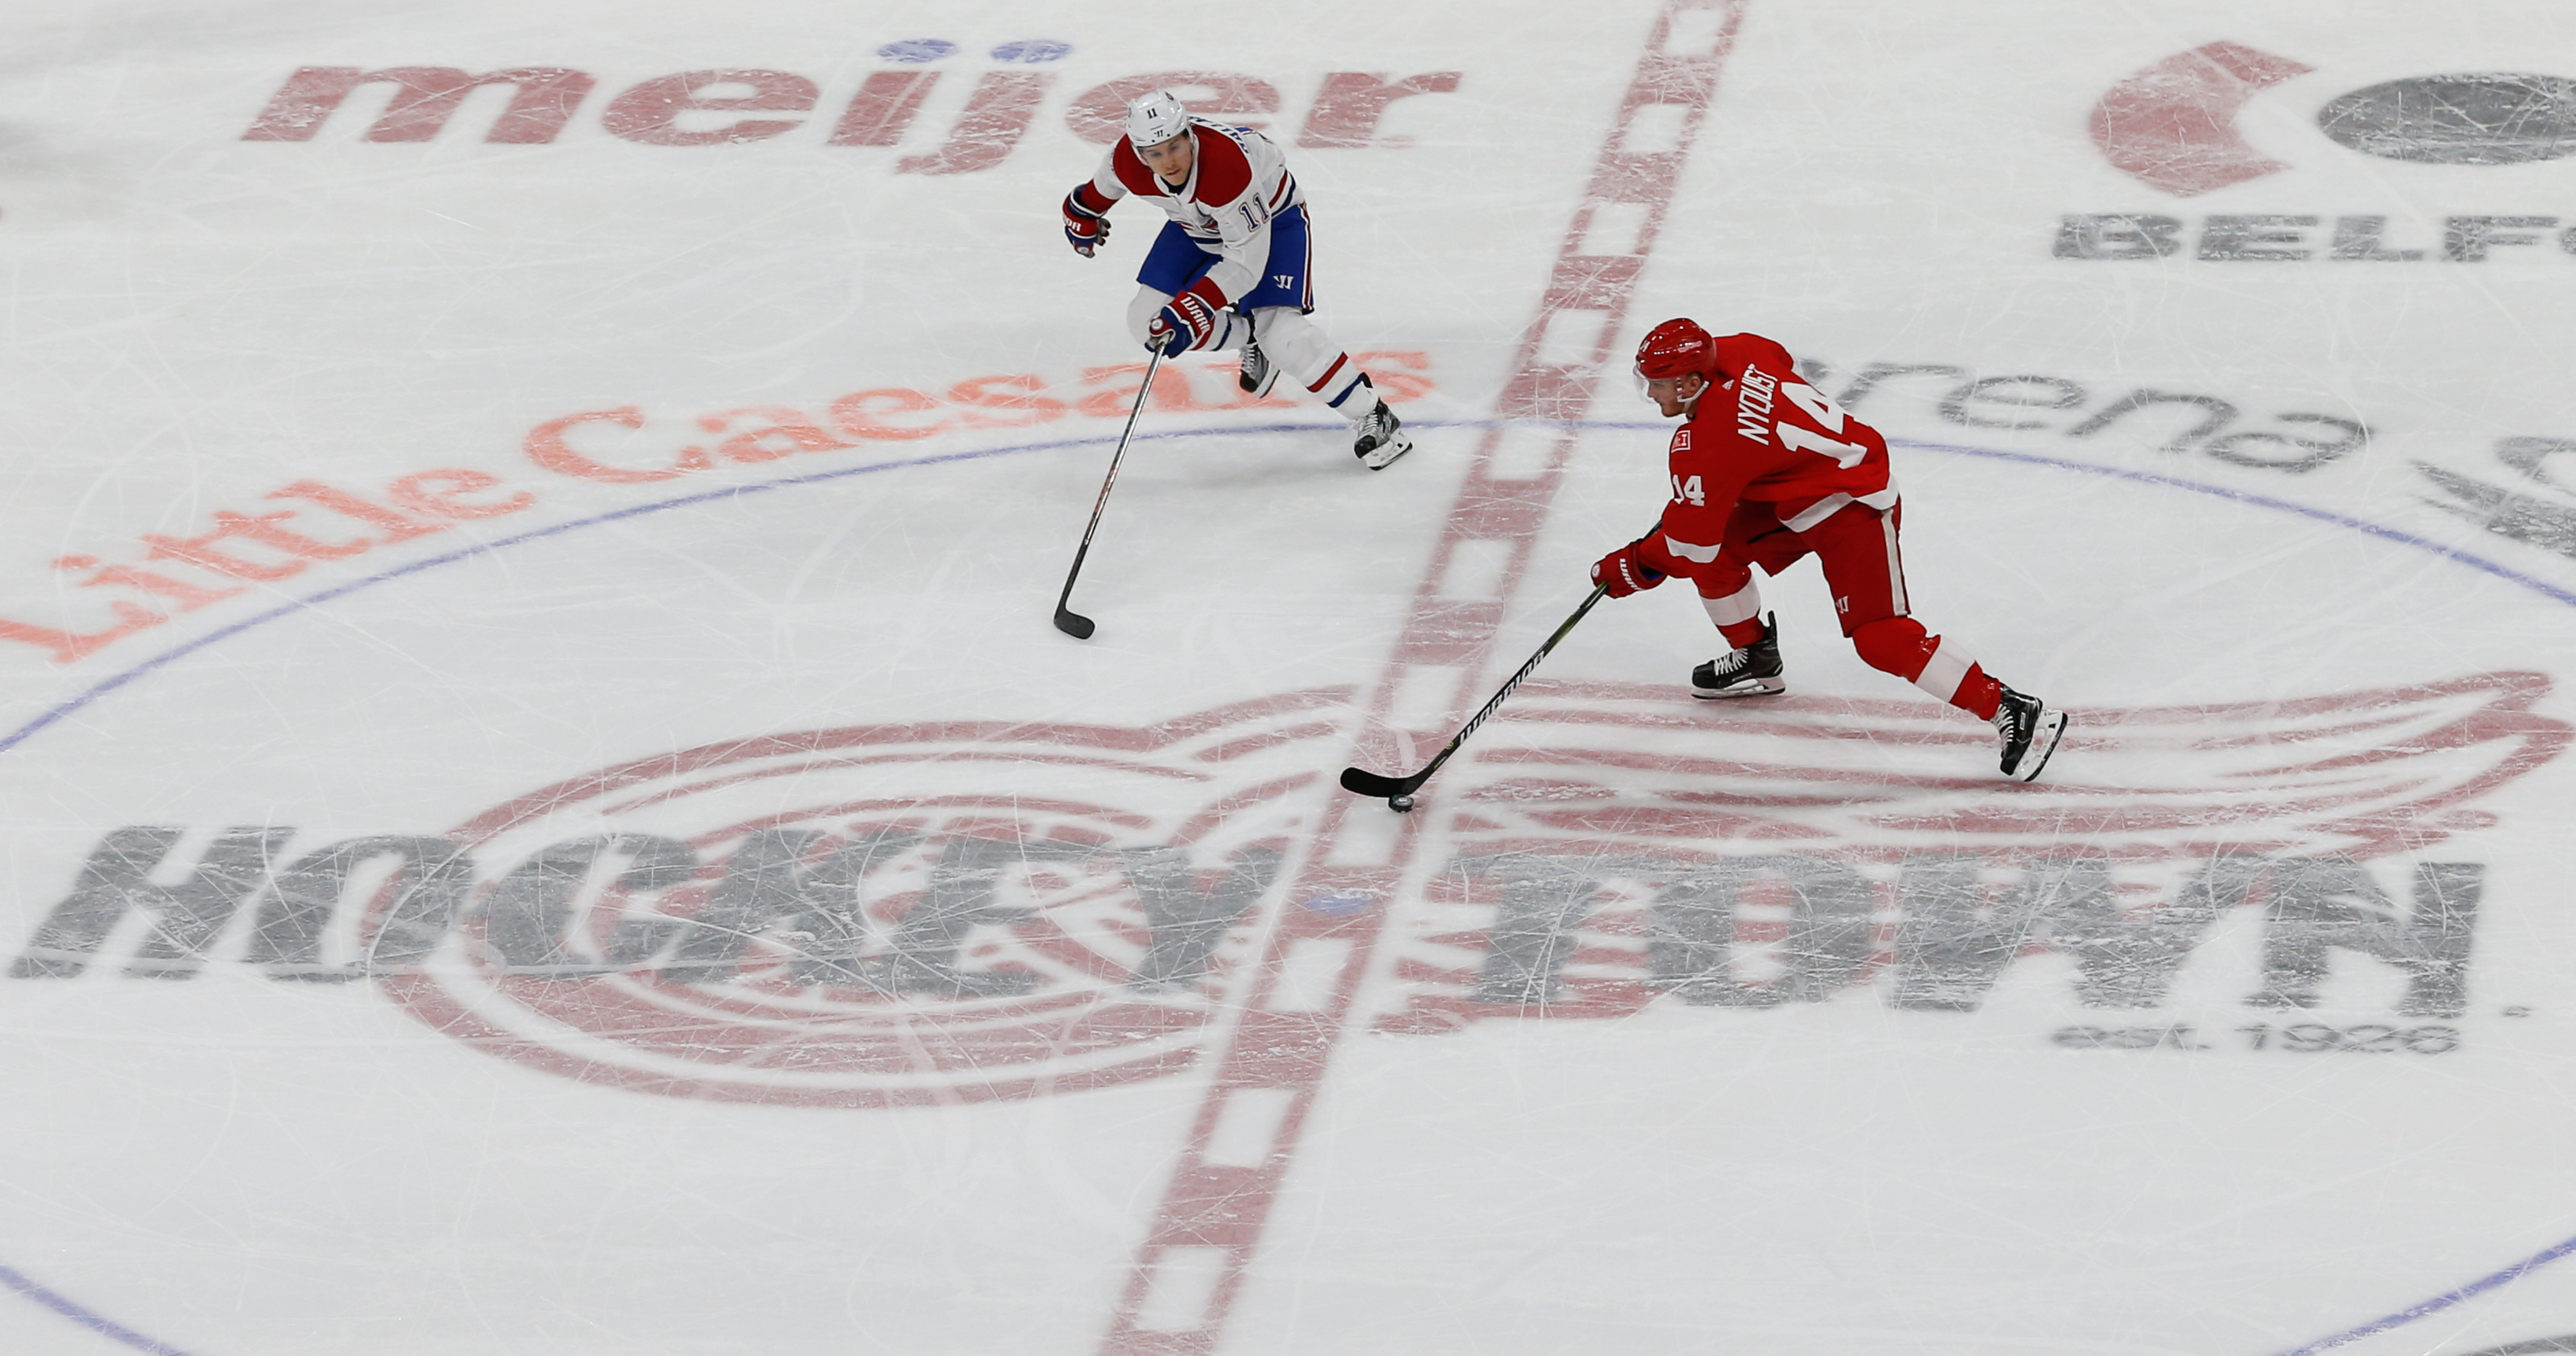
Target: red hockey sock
1978,695
1895,645
1899,645
1741,634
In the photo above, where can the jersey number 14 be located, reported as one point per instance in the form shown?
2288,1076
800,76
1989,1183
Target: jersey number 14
1827,414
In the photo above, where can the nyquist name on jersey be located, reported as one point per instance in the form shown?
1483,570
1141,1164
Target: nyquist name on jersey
1753,406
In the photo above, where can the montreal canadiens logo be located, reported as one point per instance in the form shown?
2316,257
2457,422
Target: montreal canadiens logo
879,915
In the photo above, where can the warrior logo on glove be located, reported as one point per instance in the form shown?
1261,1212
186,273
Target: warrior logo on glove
1084,227
1620,573
1189,321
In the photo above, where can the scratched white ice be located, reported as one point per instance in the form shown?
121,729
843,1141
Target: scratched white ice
541,811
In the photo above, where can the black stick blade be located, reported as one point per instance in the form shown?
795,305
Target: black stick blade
1073,624
1362,782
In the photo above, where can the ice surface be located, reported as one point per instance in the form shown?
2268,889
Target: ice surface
623,863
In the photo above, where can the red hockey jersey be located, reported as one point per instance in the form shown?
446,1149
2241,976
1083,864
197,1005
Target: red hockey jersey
1763,437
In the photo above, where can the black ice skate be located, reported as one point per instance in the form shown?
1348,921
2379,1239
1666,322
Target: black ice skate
1753,671
2029,731
1258,374
1381,439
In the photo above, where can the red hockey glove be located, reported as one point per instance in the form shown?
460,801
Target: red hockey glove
1191,320
1623,573
1086,229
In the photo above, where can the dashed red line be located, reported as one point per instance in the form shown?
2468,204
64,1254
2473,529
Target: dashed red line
1191,1267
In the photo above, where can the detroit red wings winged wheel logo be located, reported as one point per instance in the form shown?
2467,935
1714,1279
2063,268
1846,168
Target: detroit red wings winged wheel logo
1602,825
901,914
882,915
2362,774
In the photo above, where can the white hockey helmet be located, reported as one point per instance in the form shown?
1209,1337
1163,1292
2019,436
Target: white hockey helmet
1156,118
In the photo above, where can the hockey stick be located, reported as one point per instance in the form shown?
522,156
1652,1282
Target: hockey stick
1067,620
1398,791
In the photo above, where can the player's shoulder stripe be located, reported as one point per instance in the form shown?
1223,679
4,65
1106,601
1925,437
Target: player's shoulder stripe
1131,171
1224,170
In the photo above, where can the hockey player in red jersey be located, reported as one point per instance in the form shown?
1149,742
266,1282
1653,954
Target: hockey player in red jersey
1766,470
1230,269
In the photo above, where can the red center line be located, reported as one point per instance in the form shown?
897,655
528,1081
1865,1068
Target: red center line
1190,1268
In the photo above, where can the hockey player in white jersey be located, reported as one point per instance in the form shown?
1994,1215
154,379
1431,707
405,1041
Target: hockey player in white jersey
1230,269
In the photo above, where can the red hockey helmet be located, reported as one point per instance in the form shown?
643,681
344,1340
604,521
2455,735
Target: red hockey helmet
1675,347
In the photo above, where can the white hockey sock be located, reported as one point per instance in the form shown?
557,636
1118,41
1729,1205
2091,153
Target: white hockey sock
1743,605
1944,671
1307,356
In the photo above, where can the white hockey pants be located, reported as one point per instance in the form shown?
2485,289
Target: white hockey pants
1294,343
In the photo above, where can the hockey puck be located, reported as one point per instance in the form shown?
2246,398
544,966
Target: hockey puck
1399,804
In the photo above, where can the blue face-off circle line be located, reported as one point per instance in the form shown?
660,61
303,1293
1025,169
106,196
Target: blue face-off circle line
98,1323
88,1318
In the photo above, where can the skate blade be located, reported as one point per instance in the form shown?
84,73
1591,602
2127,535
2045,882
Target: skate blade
1383,455
1750,687
2043,742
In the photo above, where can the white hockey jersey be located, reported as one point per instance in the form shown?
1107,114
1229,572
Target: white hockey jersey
1238,181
